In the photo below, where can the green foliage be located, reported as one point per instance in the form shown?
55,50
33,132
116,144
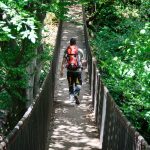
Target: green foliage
59,8
21,20
21,24
121,44
46,58
16,24
12,75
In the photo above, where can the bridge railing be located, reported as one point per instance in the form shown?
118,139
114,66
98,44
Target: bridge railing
116,132
31,131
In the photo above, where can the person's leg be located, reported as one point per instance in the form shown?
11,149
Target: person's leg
70,85
78,83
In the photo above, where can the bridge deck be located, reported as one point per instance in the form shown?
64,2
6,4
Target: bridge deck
72,127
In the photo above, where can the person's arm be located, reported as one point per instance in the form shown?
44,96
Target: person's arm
82,59
81,54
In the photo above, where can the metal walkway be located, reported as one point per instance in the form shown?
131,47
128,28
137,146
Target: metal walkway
73,128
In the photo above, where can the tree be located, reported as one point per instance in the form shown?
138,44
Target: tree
22,55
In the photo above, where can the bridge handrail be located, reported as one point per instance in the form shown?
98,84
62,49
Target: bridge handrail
31,131
116,132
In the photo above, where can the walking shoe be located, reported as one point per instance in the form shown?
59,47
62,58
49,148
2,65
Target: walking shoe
71,98
77,100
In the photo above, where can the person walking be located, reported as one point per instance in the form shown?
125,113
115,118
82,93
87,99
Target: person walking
72,61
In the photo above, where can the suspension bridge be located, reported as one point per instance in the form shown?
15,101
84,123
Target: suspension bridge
53,123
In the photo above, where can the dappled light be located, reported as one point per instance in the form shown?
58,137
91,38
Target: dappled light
73,127
34,86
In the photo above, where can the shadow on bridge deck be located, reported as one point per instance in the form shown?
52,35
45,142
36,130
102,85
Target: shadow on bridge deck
72,126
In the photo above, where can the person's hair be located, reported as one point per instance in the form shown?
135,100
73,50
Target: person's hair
72,41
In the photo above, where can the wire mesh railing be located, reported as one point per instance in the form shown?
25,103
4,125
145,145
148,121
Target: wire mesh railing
116,132
31,131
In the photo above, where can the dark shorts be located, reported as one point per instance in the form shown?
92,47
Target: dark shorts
74,78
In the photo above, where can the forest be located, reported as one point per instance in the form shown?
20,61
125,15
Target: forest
119,32
24,55
119,38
